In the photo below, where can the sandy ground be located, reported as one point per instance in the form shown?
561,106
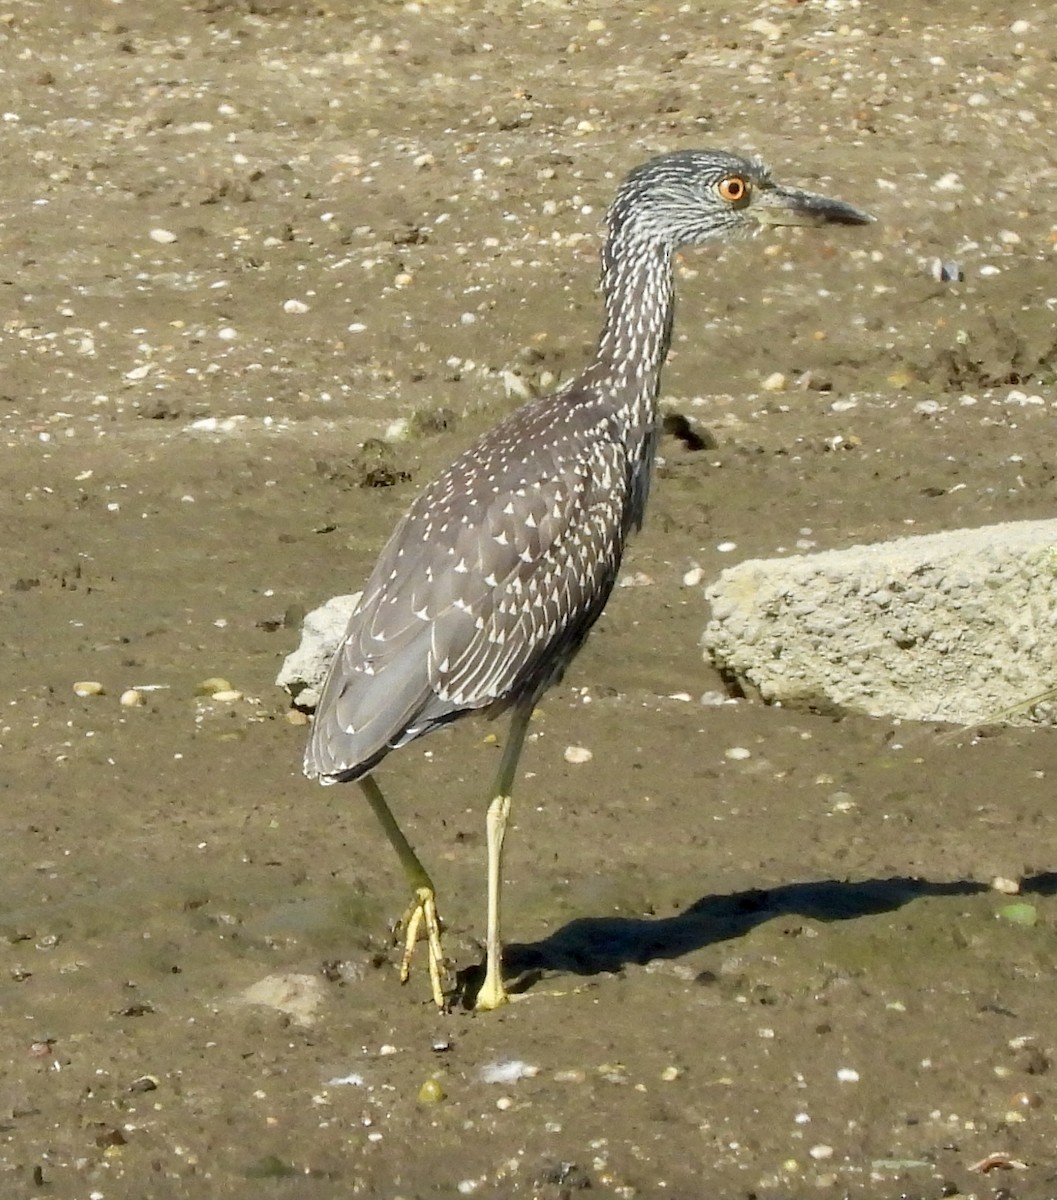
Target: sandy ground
776,975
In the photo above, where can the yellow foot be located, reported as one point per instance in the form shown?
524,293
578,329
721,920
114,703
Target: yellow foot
423,912
492,994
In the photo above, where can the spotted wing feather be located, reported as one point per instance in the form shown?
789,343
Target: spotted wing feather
485,590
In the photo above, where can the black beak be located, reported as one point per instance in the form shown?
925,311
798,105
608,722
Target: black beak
790,206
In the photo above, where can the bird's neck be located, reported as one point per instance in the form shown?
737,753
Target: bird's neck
638,295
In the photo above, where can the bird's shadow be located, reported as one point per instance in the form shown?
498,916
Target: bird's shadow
597,945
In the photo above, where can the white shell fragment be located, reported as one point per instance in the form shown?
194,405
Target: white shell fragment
1008,887
88,687
508,1071
577,755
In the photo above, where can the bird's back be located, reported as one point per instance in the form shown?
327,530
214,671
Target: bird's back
490,583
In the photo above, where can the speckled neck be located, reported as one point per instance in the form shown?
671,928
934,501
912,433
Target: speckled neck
638,296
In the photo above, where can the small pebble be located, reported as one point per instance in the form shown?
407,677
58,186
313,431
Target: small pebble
848,1075
1008,887
821,1151
635,579
946,272
575,1075
577,754
226,696
928,408
163,236
775,382
670,1074
132,698
212,685
431,1092
737,753
295,306
88,687
693,577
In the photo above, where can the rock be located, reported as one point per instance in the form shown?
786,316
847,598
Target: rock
303,671
954,626
296,996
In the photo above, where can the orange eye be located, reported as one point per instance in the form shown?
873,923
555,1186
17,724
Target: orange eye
733,189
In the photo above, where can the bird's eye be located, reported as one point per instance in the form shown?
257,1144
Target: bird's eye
733,189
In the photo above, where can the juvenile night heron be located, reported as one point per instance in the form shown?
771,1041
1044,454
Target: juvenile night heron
491,582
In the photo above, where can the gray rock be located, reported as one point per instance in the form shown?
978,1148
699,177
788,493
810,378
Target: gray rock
303,672
958,626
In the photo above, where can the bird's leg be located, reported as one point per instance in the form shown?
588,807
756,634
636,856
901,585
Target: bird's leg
492,993
423,908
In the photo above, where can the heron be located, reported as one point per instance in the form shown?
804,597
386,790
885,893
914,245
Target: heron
491,582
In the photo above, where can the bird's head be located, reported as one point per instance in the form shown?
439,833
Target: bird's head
693,196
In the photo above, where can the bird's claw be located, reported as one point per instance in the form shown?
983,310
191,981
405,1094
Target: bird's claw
422,912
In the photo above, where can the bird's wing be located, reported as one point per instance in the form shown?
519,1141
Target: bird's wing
459,607
547,558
